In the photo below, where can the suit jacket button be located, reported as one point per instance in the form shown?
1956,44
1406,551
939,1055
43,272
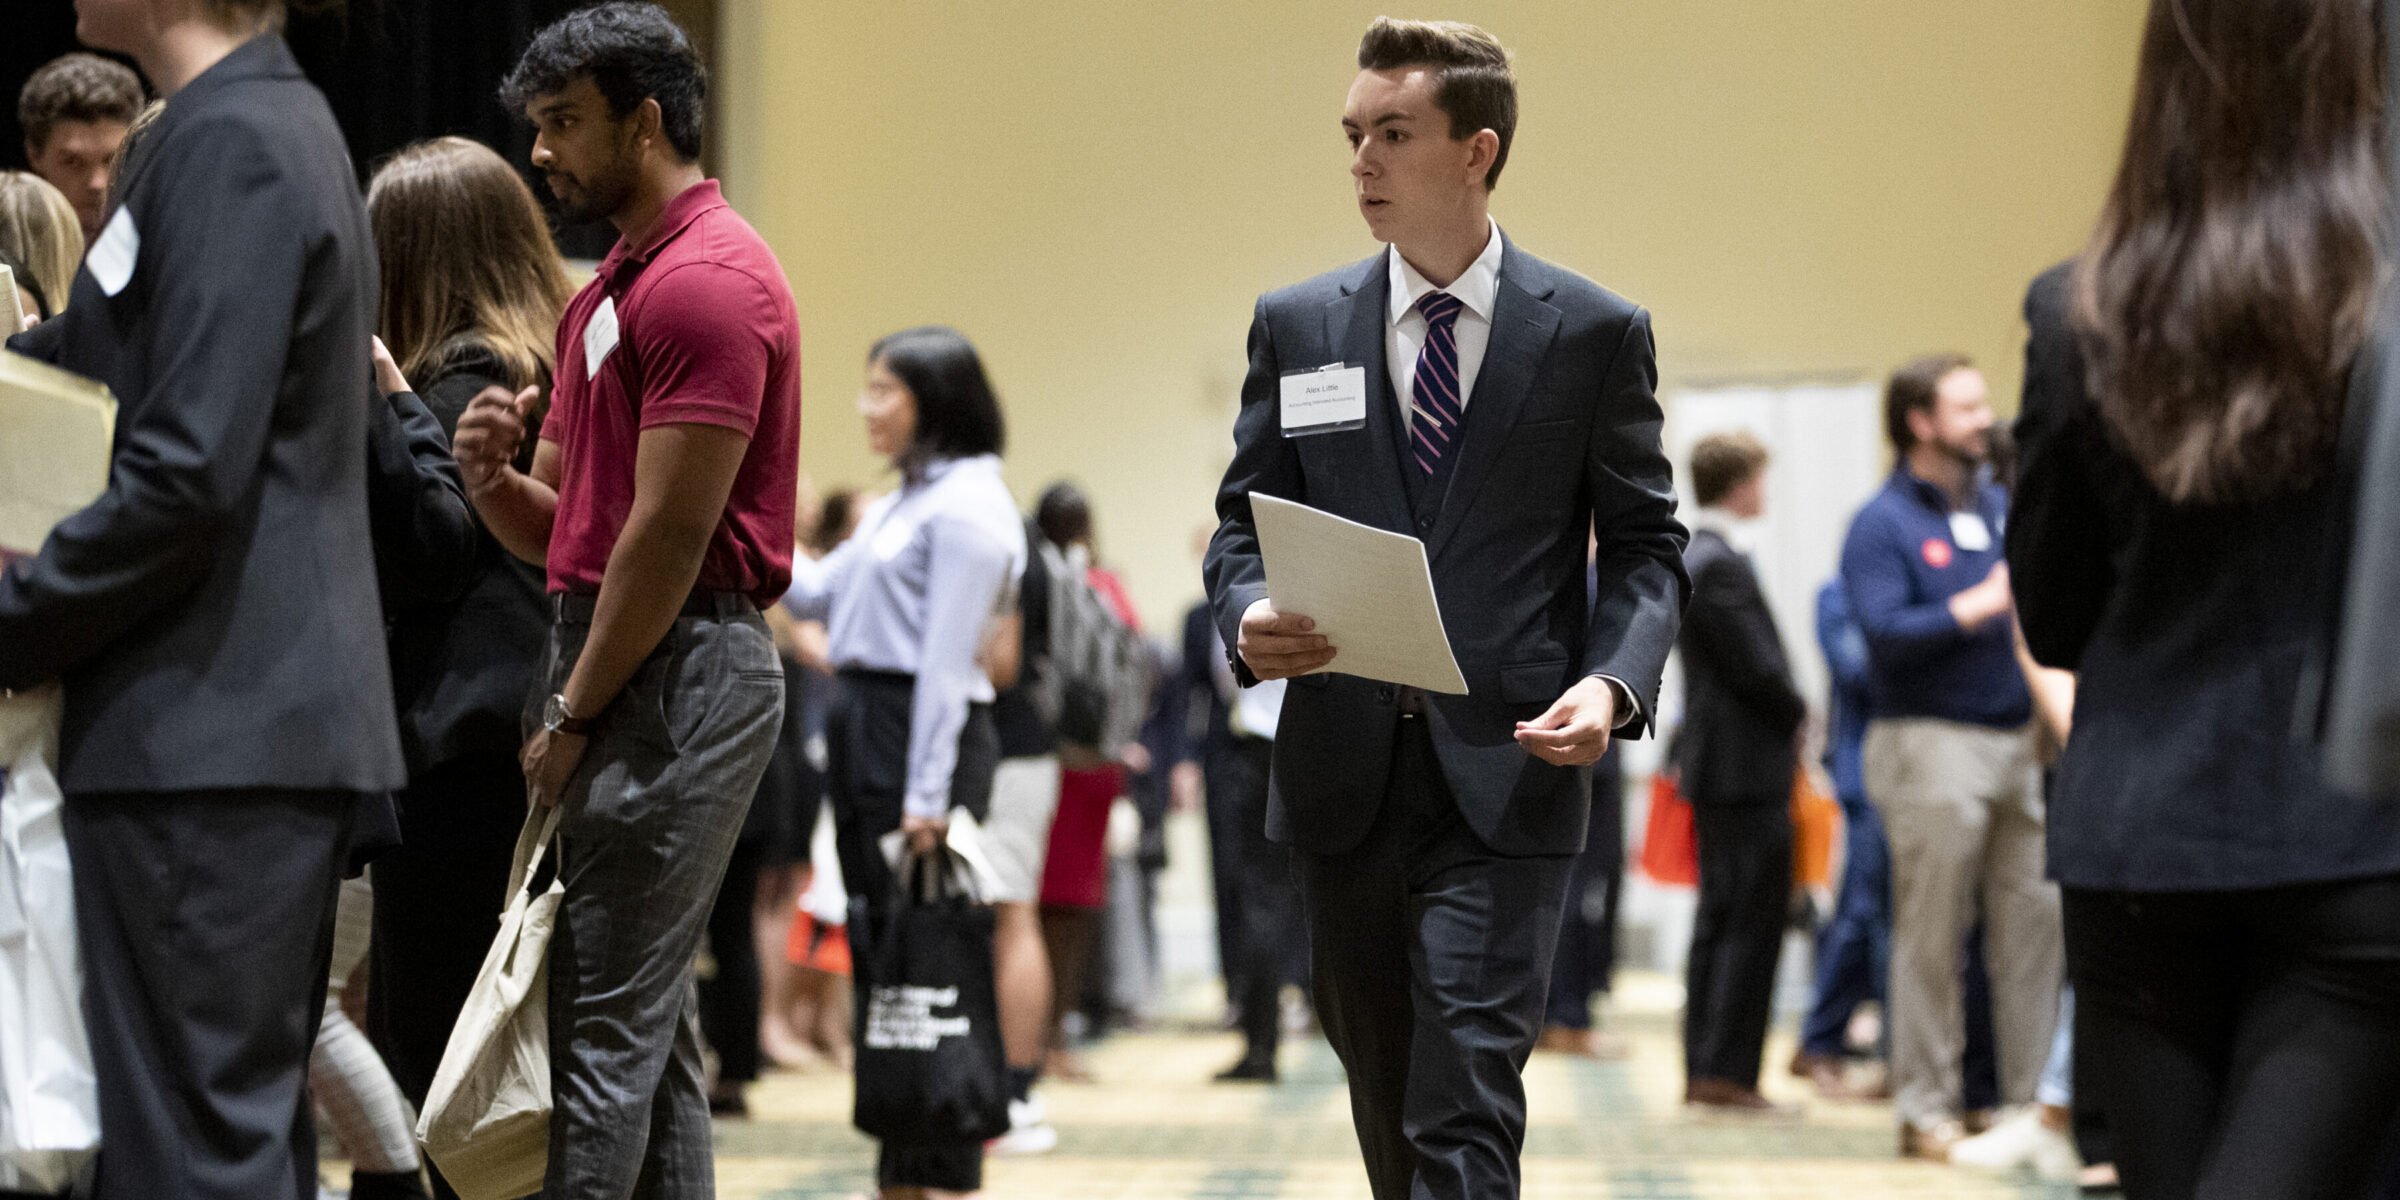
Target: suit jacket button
1425,523
1387,694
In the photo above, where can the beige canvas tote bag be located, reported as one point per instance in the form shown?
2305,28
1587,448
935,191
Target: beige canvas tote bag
487,1117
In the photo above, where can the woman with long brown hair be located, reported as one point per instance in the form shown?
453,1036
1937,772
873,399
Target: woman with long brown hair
472,291
2232,923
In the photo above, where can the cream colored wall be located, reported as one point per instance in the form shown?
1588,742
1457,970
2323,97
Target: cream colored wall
1096,191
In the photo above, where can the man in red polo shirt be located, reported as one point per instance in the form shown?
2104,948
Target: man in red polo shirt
660,498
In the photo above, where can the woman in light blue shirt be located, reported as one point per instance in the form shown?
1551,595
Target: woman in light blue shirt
906,601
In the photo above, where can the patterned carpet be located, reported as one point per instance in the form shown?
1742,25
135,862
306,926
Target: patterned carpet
1153,1127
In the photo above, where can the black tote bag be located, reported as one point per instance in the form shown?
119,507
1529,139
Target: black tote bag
931,1069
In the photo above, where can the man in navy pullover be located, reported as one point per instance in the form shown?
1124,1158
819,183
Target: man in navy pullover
1949,755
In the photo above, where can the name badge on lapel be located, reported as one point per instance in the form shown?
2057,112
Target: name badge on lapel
1970,532
599,336
112,257
1328,399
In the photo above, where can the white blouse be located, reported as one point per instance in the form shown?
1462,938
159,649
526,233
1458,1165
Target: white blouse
910,593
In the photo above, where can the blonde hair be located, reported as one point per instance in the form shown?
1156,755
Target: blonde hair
38,228
467,261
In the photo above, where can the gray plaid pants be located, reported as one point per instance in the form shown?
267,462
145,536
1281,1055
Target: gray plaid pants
651,819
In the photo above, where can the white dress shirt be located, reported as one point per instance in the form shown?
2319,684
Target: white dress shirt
1404,327
910,593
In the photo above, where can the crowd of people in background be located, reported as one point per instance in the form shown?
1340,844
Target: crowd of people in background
557,574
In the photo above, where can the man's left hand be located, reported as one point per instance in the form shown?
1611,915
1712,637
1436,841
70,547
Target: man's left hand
550,760
1574,733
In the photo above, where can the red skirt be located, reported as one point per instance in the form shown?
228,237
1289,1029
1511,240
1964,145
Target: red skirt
1075,872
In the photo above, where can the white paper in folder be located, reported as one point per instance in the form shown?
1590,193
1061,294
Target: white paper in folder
1369,590
55,428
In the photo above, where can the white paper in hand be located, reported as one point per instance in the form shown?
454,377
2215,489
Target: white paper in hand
1369,590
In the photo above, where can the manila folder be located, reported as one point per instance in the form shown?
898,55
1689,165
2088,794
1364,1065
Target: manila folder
55,430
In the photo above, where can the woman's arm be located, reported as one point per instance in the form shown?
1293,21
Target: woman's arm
969,569
2058,549
816,581
417,514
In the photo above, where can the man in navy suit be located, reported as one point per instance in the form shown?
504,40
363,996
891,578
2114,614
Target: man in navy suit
213,616
1509,413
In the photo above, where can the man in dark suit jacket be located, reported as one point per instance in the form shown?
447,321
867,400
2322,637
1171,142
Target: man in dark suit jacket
1435,834
1736,755
214,616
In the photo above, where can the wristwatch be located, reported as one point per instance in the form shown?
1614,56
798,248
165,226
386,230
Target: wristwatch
558,718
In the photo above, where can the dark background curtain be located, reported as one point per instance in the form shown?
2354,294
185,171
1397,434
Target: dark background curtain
395,71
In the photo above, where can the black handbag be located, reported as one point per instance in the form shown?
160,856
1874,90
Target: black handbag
931,1069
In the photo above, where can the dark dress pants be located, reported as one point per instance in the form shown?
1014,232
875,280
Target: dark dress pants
437,907
1431,968
2243,1044
729,998
866,765
1854,950
1586,961
1737,936
206,925
1272,943
1979,1059
1226,773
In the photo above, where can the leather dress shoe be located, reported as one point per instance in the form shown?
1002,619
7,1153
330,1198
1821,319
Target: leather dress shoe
1723,1096
1249,1070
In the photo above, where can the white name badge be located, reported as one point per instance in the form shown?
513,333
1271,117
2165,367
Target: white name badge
1970,533
599,336
1326,400
111,258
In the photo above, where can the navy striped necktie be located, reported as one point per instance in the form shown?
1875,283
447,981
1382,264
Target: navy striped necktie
1440,410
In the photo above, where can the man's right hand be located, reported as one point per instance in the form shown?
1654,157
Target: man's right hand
1985,602
489,434
1278,645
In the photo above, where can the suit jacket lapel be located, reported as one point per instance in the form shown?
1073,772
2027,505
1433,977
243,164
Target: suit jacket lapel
1523,325
1354,329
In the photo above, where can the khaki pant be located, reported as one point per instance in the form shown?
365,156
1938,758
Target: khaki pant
1962,806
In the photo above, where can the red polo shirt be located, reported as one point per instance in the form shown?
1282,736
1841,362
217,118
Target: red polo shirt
706,334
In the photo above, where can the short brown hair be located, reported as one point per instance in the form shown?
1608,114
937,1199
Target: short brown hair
1912,389
1722,462
77,87
1471,80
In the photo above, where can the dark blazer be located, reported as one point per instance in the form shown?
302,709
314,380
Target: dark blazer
1561,437
2189,626
1740,709
423,529
463,660
214,614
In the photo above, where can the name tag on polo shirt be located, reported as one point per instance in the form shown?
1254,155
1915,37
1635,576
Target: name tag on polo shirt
111,259
599,336
1969,531
1328,399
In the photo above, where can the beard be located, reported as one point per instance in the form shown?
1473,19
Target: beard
1970,451
598,195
